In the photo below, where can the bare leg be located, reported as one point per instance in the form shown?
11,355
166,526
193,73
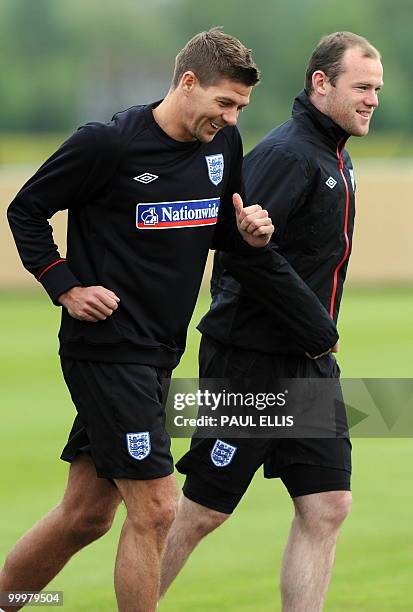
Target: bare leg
309,554
192,523
150,508
85,513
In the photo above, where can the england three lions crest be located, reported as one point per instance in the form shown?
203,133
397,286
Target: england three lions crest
139,444
215,164
222,453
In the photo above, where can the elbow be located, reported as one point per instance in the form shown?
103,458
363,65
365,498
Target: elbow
11,214
17,216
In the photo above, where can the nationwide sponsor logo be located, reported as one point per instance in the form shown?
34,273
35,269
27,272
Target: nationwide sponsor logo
330,182
139,444
215,164
146,178
351,173
222,453
186,213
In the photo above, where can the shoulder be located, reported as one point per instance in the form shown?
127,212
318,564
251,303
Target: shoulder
129,121
115,135
276,149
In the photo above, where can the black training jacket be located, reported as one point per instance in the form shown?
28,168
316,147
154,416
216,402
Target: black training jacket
303,175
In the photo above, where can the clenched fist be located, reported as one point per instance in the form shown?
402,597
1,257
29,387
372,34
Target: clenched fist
253,222
89,303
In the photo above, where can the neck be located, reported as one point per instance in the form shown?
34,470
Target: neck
166,116
317,102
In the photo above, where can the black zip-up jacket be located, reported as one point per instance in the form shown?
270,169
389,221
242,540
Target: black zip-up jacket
301,173
143,210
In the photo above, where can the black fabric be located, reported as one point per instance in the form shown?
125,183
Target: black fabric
301,173
113,400
276,455
299,479
155,271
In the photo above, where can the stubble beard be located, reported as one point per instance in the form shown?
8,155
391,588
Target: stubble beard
344,117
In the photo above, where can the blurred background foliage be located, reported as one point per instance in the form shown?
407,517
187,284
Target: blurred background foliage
65,63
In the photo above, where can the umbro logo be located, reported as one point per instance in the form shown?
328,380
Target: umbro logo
330,182
146,178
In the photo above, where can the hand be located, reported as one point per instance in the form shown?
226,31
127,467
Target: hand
89,303
253,222
333,349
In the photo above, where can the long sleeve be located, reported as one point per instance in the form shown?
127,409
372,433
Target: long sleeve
270,279
278,182
77,170
227,236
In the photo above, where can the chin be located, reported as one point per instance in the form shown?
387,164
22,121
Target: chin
206,138
361,132
356,130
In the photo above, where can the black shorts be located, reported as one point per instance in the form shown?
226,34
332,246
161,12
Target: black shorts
310,465
120,418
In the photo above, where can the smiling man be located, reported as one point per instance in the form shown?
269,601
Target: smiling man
303,176
148,195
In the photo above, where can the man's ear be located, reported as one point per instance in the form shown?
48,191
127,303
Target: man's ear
320,82
188,81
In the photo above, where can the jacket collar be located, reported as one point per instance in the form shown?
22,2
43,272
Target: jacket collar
306,113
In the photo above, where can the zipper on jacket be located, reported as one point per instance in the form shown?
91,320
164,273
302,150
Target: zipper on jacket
346,251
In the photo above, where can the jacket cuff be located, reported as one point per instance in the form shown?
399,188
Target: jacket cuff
57,278
242,247
321,349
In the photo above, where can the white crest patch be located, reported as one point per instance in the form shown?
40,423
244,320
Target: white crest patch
215,164
222,453
351,173
330,182
139,444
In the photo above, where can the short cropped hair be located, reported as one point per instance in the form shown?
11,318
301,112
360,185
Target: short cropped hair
328,55
213,56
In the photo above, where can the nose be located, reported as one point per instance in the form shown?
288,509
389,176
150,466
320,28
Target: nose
372,99
230,116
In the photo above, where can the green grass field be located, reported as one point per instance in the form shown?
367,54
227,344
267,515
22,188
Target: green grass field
236,568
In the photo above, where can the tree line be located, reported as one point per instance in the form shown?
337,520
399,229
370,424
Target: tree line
64,63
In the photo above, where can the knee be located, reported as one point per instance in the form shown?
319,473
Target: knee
85,525
198,520
328,514
338,507
158,516
209,521
164,515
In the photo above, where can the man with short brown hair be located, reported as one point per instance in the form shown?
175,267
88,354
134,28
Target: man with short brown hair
148,195
328,56
301,173
213,56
